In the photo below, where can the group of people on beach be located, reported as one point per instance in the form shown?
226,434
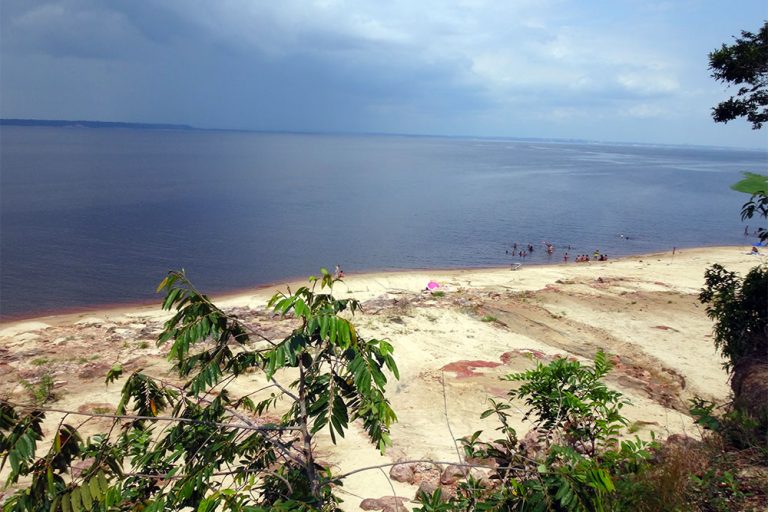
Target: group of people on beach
583,258
527,249
522,251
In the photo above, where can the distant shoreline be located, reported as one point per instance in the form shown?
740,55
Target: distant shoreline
61,123
153,306
66,123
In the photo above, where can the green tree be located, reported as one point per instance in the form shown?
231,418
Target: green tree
743,64
200,446
739,307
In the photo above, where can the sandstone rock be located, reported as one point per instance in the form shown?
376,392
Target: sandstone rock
426,470
452,474
385,504
427,487
402,473
484,478
93,370
532,444
370,504
481,461
394,508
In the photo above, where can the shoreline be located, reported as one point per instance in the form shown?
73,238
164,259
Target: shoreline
149,307
451,349
141,304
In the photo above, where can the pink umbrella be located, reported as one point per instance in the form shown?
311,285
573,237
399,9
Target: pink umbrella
432,285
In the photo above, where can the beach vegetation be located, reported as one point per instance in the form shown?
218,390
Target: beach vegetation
200,446
732,426
573,458
196,444
42,391
739,307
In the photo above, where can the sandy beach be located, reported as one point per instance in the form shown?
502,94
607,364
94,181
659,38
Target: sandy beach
451,348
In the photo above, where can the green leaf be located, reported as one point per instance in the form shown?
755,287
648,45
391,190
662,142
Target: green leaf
162,284
95,488
103,483
752,183
114,373
85,496
74,497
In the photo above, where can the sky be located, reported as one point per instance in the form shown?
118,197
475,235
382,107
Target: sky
612,70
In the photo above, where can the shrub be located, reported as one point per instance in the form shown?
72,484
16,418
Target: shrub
42,392
739,307
582,467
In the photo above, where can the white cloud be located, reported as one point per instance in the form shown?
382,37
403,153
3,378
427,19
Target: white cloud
645,111
649,82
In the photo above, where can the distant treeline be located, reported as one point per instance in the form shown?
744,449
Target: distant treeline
92,124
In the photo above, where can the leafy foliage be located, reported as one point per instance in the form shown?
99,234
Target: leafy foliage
581,467
41,392
196,446
745,64
739,307
752,183
354,384
757,205
570,399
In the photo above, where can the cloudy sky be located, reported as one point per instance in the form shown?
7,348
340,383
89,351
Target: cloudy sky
614,70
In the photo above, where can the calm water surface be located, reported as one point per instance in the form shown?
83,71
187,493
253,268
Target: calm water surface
97,216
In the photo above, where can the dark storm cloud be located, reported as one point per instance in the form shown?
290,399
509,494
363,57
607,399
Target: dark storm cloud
546,68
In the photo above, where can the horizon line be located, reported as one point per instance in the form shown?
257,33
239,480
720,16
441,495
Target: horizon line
82,123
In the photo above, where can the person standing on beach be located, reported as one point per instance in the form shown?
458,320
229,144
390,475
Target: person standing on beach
565,258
